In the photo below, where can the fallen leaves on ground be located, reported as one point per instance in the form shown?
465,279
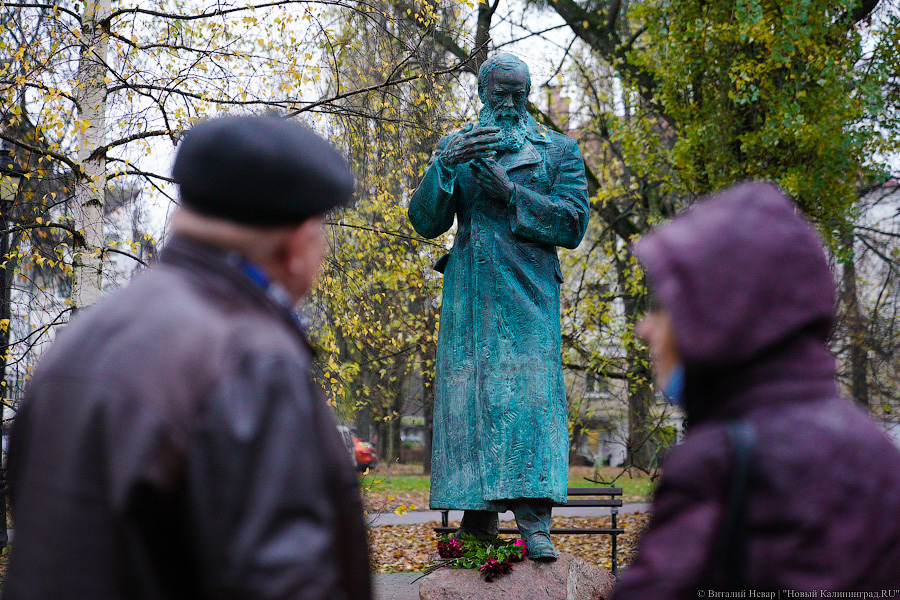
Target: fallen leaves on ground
595,549
382,502
410,548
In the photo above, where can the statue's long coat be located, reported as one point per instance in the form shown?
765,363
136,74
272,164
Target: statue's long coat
500,422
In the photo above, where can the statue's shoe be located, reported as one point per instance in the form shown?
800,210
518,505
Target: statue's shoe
540,548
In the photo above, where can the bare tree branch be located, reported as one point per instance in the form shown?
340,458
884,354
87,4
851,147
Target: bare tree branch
378,86
53,7
132,138
383,232
614,9
196,96
218,12
602,373
123,253
139,172
76,235
38,86
863,11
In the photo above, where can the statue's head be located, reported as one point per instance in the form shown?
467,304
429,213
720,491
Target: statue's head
506,66
503,85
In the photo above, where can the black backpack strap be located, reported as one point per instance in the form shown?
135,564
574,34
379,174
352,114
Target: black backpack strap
725,571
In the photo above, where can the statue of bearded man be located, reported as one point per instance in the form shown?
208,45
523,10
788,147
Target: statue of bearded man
517,191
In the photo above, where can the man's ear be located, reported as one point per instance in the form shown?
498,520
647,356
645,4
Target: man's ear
298,256
298,246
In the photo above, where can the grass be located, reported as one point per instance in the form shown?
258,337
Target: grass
635,487
400,479
395,483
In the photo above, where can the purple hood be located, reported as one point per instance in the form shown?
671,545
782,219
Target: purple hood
749,290
752,300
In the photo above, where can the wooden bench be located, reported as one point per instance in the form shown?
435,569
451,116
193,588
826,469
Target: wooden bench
576,497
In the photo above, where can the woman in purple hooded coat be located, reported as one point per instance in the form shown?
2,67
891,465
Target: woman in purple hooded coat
745,306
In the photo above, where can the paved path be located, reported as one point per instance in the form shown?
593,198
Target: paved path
396,586
415,517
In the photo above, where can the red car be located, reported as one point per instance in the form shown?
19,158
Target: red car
363,452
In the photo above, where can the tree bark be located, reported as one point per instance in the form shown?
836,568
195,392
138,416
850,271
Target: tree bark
856,327
429,357
640,391
483,31
864,10
90,181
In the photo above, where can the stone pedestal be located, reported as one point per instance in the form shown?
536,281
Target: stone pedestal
569,578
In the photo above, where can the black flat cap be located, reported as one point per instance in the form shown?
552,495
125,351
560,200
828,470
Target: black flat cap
260,170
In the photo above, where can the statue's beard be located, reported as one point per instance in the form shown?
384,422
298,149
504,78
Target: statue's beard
511,124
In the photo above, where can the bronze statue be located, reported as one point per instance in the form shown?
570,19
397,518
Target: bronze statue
517,190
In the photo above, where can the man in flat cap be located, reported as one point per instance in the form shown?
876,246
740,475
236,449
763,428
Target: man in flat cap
172,443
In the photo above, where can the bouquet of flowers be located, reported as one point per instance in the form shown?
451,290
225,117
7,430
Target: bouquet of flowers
492,556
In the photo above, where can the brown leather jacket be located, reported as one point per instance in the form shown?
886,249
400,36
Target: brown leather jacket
173,445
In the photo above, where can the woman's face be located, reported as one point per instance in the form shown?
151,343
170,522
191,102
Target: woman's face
657,331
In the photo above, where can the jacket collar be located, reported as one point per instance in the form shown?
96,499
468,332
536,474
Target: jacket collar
232,276
537,133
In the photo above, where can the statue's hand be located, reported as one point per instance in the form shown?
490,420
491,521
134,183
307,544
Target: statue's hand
478,142
492,178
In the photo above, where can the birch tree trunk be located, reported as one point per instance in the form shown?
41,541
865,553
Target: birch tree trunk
90,182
